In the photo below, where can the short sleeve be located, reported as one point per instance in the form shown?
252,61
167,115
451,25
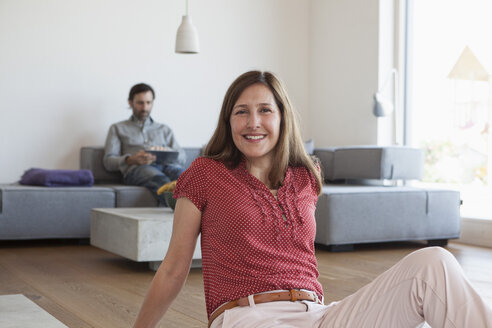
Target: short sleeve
312,179
193,183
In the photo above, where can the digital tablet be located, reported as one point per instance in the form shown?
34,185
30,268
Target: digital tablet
164,156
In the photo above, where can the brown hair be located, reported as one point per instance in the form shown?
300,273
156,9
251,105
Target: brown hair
138,88
289,150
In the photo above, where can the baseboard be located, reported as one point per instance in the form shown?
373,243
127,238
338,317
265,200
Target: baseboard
476,232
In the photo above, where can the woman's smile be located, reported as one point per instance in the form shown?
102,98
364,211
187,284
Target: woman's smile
254,137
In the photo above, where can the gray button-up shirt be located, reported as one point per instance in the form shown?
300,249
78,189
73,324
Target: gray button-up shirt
128,137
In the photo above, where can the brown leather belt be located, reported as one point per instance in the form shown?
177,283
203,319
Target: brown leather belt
292,295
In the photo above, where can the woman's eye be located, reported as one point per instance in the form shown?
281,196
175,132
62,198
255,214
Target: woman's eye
266,109
240,111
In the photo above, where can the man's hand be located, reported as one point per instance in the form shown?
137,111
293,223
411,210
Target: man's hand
140,158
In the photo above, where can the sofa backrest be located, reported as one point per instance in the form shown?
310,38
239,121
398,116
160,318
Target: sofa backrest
91,158
371,162
337,163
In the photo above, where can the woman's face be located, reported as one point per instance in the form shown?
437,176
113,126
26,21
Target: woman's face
255,123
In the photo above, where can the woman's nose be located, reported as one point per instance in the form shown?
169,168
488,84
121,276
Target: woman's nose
253,121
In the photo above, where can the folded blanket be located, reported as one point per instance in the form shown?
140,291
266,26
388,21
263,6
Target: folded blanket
57,178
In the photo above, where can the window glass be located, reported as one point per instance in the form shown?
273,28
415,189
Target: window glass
451,96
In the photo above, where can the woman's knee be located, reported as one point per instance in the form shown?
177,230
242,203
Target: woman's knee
431,256
439,253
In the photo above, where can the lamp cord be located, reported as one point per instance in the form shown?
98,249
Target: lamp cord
186,7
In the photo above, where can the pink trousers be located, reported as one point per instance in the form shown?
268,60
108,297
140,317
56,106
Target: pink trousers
426,286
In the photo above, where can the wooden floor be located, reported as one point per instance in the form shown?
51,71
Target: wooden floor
83,286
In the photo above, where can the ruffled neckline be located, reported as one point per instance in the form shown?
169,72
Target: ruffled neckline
279,205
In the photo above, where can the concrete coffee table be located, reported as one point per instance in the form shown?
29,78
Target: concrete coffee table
138,233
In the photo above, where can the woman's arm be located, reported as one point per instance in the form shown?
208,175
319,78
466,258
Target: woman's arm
174,269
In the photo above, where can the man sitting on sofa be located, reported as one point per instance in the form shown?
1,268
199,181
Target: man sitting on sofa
127,141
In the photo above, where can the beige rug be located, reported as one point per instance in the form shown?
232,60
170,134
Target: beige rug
19,311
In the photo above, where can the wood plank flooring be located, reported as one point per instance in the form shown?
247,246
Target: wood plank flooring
83,286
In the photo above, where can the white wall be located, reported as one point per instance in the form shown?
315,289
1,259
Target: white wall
66,67
343,71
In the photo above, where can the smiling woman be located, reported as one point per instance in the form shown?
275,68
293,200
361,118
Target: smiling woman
252,197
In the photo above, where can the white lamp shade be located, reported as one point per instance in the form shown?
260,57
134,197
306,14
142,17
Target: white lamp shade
382,106
187,37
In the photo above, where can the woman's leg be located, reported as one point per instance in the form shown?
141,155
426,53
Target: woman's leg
428,284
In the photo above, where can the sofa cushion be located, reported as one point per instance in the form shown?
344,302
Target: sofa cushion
91,158
326,157
347,214
134,196
371,162
32,212
191,154
309,146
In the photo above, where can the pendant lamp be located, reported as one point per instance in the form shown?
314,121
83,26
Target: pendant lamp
187,37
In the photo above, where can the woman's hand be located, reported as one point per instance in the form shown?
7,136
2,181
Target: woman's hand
174,269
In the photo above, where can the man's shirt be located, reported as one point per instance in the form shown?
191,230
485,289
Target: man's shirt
128,137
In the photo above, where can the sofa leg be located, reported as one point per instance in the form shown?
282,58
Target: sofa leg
437,242
341,248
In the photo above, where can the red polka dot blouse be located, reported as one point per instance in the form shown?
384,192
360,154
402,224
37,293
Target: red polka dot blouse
251,241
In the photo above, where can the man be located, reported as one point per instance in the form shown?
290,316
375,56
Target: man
127,141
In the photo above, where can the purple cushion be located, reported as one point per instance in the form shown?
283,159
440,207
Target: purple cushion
57,178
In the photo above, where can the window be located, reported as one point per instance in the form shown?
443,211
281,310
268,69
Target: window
449,96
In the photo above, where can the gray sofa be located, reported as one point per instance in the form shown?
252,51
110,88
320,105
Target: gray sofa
364,199
359,204
32,212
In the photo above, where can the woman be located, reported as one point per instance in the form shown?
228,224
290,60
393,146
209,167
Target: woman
252,197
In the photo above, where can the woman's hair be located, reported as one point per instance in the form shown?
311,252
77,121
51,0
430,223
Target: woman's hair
289,150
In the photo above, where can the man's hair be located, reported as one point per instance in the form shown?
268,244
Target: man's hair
289,150
138,88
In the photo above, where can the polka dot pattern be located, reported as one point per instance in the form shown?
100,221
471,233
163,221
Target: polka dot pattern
251,241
